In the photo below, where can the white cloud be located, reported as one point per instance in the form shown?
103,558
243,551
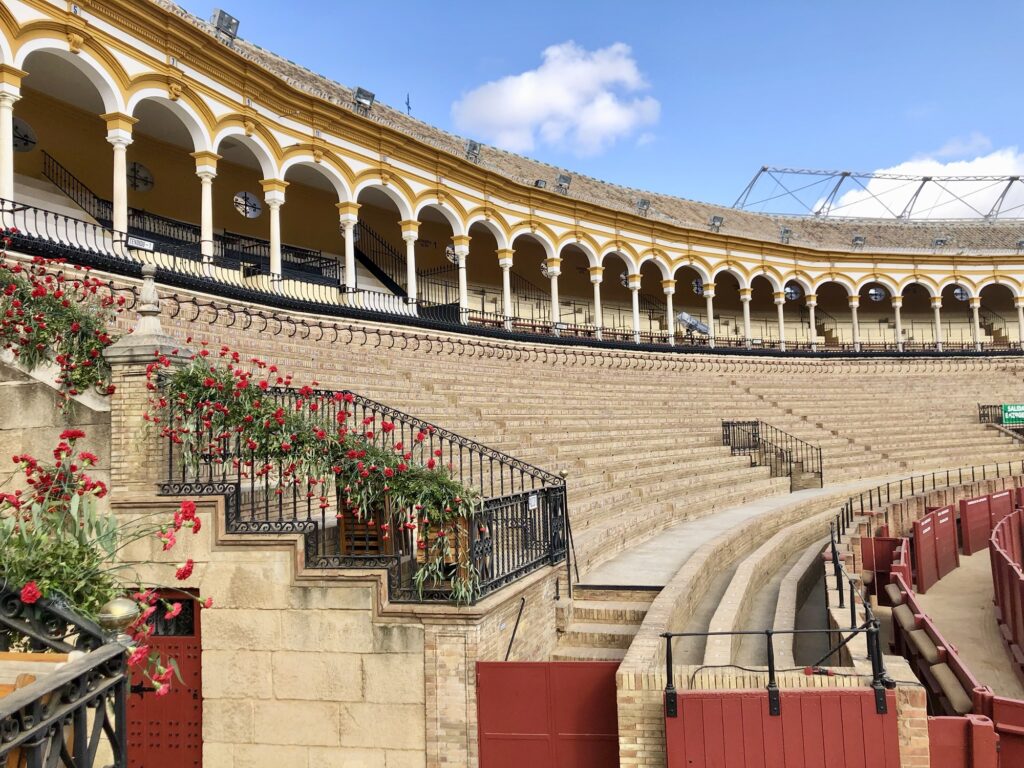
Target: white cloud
583,100
938,200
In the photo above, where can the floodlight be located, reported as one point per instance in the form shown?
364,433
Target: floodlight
643,205
563,183
363,100
940,242
859,241
225,23
784,234
1020,245
540,184
692,324
715,223
472,151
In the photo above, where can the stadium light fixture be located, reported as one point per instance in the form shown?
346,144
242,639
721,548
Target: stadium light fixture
363,100
785,233
940,242
473,151
715,223
1020,245
225,23
540,184
643,205
563,182
859,241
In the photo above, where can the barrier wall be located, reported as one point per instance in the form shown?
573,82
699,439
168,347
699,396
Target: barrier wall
1008,586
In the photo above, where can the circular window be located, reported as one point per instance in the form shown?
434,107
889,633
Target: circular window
698,286
960,293
24,137
793,291
140,178
876,293
247,204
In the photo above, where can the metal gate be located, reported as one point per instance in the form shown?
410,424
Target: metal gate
167,731
558,714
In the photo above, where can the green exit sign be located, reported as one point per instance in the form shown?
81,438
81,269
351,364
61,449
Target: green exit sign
1013,414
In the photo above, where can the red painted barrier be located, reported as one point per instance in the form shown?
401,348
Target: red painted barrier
946,550
838,728
547,714
963,742
975,524
1000,504
876,556
926,559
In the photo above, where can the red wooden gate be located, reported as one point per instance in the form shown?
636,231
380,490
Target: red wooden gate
557,714
834,728
167,731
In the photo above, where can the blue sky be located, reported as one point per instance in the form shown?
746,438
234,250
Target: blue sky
716,90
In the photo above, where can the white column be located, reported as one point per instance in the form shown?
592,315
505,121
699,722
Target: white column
206,215
596,275
897,304
937,309
554,267
634,289
812,305
274,206
348,217
7,100
505,262
745,294
461,243
120,202
975,302
780,302
1019,304
854,302
410,233
709,303
669,286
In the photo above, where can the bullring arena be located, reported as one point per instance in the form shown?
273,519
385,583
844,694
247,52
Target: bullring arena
782,529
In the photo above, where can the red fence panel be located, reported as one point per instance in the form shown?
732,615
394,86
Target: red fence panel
547,714
963,742
835,728
876,554
946,549
975,524
926,559
1008,716
1000,504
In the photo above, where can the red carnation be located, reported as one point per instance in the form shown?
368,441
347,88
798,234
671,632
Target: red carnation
185,571
30,593
72,434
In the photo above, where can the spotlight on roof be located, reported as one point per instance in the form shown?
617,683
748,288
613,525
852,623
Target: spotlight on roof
1020,245
643,205
472,151
224,23
540,183
940,242
563,183
715,223
859,241
784,234
363,100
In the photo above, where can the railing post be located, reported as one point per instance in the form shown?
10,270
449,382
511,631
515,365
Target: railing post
837,570
878,682
853,604
671,704
774,705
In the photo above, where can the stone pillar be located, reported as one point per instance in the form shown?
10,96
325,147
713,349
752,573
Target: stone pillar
780,303
137,452
461,243
975,303
10,92
348,215
634,289
554,268
937,309
596,275
745,295
410,232
812,304
709,300
854,302
206,170
669,286
273,194
119,134
505,262
897,305
1018,303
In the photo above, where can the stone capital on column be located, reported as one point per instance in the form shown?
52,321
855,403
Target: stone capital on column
936,302
853,301
596,274
10,81
554,266
461,242
669,286
119,127
348,213
206,164
811,299
410,229
505,258
273,191
1018,302
746,294
897,301
780,297
634,282
974,302
709,291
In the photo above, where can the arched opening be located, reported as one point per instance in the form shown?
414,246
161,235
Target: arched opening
531,280
764,323
876,318
653,306
957,320
483,274
728,307
309,219
997,316
916,315
616,299
575,287
380,249
832,317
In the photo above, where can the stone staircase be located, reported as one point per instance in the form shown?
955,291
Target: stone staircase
599,623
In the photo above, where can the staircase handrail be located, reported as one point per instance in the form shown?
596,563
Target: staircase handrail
754,437
74,188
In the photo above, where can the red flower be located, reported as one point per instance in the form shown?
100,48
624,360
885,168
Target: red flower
138,656
188,510
71,434
387,426
173,612
431,464
196,525
185,572
30,593
208,602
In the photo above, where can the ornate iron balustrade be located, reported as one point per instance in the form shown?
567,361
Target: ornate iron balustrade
69,184
785,454
522,523
990,414
65,716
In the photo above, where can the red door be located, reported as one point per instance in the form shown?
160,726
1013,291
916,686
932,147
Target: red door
167,731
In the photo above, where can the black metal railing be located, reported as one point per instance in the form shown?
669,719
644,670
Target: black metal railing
80,194
161,228
522,523
990,414
785,454
88,694
389,262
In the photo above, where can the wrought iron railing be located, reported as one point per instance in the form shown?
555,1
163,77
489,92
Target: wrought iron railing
785,454
69,715
380,254
990,414
70,185
162,228
521,525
